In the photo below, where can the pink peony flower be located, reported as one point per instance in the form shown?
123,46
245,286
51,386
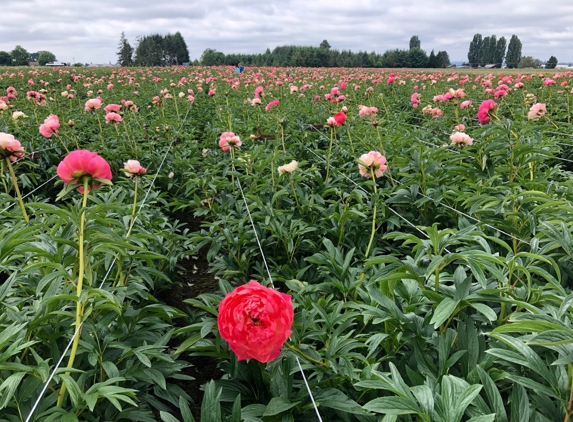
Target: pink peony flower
415,99
112,107
537,111
229,140
80,163
465,104
461,127
460,138
113,118
133,168
485,109
548,81
50,126
10,147
366,111
373,161
272,104
93,104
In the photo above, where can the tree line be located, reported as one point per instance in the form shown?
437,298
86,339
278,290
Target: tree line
153,50
491,51
325,56
19,56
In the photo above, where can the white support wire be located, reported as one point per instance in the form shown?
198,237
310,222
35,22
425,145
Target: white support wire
78,329
272,285
30,193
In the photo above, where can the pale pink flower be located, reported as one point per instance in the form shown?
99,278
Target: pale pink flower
415,99
465,104
367,111
373,161
288,168
460,138
133,168
548,81
10,147
93,104
537,111
461,127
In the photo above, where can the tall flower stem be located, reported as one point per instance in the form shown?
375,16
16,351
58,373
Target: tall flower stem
373,214
63,144
329,153
100,131
79,286
350,140
134,208
4,181
129,139
176,108
293,190
15,181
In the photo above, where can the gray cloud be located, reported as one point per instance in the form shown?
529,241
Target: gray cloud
89,31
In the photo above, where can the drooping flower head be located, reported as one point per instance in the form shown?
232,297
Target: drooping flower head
84,163
229,140
10,147
460,138
372,162
272,104
133,168
256,321
50,126
537,111
485,109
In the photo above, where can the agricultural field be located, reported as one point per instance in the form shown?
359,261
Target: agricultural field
285,244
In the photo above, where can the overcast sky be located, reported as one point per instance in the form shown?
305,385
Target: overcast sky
88,31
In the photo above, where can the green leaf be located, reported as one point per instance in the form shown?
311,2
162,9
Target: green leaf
519,404
210,407
493,395
443,311
393,406
167,417
336,399
278,405
185,410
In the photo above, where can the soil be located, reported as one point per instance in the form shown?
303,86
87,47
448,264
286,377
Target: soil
193,279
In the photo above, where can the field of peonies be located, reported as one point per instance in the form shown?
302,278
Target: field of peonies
185,243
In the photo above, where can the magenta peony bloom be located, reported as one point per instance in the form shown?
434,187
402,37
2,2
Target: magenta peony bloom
272,104
81,163
484,111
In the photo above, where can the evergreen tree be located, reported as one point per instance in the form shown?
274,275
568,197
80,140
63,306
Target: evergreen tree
5,58
432,63
475,48
483,52
149,51
415,42
46,57
499,52
125,52
20,56
180,50
417,58
490,56
324,44
442,59
551,63
513,55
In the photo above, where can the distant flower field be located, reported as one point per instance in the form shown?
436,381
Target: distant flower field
285,244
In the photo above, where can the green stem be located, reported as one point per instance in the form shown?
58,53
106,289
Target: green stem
100,131
384,154
329,152
132,220
129,139
305,356
64,145
373,215
79,285
4,181
293,191
15,181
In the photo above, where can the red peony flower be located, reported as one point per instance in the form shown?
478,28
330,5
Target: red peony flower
256,321
81,163
340,118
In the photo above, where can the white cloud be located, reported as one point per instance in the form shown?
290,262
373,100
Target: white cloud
89,31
